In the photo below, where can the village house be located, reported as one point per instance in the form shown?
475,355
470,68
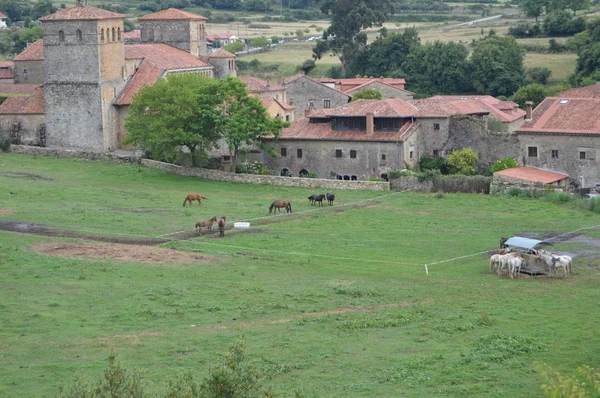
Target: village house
529,179
304,92
368,138
89,76
562,134
388,87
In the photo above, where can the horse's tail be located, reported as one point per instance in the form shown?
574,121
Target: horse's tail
290,206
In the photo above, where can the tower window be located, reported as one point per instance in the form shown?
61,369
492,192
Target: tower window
283,152
299,153
582,155
114,35
79,35
102,35
61,36
338,153
119,34
555,153
352,154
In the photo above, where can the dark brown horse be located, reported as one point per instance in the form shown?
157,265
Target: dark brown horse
208,224
279,204
503,243
193,196
222,222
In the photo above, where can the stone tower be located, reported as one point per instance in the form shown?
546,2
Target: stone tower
223,63
177,28
84,58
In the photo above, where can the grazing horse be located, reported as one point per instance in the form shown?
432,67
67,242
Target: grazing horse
222,222
279,204
330,198
316,198
193,196
554,262
208,224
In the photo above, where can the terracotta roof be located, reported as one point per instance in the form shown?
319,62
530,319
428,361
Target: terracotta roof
357,81
220,53
564,116
374,81
304,130
531,174
35,52
217,36
81,12
254,84
32,103
172,14
133,35
267,101
2,15
18,89
7,70
505,111
391,107
156,59
592,91
163,55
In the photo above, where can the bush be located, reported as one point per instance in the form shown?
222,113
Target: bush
247,167
428,162
399,173
5,145
428,175
538,74
585,382
462,162
234,47
503,164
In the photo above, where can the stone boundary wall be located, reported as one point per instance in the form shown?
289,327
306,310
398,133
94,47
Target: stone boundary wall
208,174
501,186
267,179
464,184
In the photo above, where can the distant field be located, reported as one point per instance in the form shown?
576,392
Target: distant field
561,65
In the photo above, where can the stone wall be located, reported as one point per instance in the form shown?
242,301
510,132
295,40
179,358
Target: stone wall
30,72
303,90
270,180
451,184
187,35
568,149
23,129
75,153
502,185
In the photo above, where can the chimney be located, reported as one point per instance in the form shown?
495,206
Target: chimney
528,109
370,124
307,112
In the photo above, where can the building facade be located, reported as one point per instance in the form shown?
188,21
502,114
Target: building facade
304,93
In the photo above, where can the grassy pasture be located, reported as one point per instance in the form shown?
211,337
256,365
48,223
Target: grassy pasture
561,65
334,302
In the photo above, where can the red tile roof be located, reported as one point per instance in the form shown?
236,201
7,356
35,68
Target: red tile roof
163,55
26,104
254,84
156,59
357,81
18,89
304,130
505,111
220,53
531,174
35,52
133,35
592,91
7,70
217,36
391,107
571,116
2,15
172,14
81,12
267,101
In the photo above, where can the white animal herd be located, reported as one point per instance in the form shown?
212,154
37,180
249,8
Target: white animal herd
513,262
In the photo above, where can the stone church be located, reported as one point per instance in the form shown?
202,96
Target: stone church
73,88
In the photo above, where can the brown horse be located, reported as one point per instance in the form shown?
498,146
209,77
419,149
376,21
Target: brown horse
208,224
194,196
222,222
279,204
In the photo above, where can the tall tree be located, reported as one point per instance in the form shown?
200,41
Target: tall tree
497,66
577,5
180,111
344,38
532,8
246,121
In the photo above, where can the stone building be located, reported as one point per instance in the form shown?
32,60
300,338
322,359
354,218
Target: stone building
529,179
264,88
278,109
7,72
368,138
387,86
562,134
90,75
386,90
180,29
29,65
304,93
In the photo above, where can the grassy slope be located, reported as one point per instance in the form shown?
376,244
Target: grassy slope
425,336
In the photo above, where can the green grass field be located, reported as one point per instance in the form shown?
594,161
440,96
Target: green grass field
333,302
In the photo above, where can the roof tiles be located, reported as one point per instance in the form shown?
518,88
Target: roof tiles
32,103
531,174
35,52
163,55
303,129
592,91
220,53
254,84
564,116
81,12
172,14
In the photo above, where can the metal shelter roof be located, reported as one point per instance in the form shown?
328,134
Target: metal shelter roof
526,242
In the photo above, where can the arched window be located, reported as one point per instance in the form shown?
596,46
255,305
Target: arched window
114,35
119,34
79,35
61,36
102,35
303,173
285,173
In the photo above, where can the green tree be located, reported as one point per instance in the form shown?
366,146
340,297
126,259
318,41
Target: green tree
532,8
497,66
180,111
462,162
438,68
503,164
307,66
534,92
576,5
234,47
246,121
348,18
259,42
368,93
538,74
41,8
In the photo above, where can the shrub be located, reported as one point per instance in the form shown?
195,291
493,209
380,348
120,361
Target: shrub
463,162
428,175
376,179
399,173
503,164
428,162
5,145
585,382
